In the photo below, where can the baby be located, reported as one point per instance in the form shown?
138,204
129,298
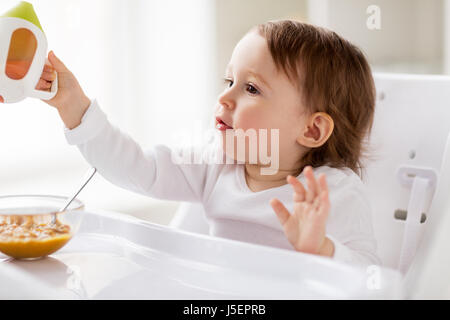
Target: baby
309,84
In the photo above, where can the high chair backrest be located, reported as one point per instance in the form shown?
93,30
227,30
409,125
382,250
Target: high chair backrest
429,276
411,124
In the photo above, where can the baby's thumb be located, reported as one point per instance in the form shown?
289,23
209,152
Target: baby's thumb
56,63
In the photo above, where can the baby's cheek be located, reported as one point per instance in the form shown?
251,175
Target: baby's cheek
251,120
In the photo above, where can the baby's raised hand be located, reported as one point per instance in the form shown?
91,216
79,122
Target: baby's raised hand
305,227
70,100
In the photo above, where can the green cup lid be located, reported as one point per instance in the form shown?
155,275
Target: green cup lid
24,10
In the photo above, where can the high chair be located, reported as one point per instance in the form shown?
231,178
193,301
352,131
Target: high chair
407,148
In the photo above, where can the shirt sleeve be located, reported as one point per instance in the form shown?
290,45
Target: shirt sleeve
155,172
347,254
350,228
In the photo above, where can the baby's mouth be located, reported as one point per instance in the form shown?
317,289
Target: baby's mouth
221,125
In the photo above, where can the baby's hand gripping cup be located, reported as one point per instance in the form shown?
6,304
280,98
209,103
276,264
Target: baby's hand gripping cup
23,48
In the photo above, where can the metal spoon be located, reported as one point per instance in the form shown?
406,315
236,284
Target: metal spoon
89,175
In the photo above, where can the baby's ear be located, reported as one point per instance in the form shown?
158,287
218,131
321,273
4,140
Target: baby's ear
317,130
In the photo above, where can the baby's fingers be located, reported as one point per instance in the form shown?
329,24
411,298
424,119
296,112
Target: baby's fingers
299,190
312,184
48,76
281,211
321,204
43,85
324,206
48,73
48,67
323,186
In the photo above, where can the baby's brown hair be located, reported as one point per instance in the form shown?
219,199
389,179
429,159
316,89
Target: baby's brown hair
335,78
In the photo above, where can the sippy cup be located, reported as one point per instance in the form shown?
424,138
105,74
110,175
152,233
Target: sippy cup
23,51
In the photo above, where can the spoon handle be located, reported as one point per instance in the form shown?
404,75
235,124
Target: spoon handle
90,174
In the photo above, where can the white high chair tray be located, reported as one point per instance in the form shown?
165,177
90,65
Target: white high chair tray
114,256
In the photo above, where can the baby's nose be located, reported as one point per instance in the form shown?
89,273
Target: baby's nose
226,101
227,105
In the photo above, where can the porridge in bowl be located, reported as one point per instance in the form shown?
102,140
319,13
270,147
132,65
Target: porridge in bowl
23,237
27,230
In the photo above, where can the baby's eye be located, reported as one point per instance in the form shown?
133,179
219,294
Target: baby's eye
251,89
229,82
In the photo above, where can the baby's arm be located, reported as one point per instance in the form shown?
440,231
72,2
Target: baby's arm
120,160
117,157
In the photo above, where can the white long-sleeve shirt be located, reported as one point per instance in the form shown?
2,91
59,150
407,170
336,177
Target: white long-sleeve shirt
232,210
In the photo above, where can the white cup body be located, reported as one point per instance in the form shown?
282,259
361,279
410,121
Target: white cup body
16,90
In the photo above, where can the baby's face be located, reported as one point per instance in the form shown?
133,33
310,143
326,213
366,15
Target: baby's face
258,96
